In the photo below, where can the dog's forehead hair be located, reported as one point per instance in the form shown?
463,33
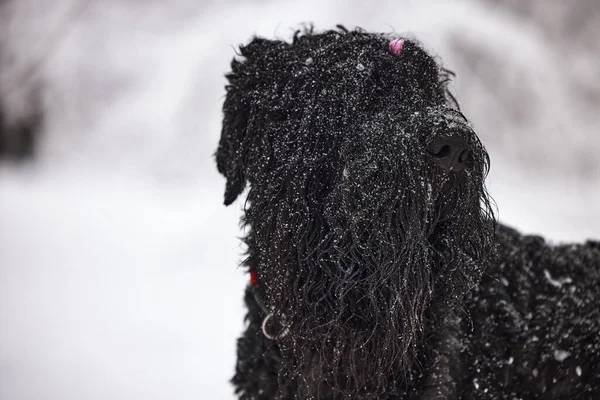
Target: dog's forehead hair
353,71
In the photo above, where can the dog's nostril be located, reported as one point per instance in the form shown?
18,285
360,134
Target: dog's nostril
443,152
464,156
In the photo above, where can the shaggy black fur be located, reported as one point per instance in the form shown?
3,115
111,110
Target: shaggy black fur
384,275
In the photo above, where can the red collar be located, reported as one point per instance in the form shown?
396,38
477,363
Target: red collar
253,275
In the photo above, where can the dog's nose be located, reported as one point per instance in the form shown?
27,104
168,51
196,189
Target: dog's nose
451,153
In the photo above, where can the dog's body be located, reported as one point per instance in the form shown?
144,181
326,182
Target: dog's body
378,271
532,325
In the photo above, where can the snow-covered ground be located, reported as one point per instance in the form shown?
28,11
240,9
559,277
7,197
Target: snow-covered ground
118,274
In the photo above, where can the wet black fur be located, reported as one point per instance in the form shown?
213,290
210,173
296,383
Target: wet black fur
390,273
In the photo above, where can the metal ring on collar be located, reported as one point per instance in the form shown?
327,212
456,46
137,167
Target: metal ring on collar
280,335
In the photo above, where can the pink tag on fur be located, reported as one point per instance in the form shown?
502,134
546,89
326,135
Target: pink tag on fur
395,46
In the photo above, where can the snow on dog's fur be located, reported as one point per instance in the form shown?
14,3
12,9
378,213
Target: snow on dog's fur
367,252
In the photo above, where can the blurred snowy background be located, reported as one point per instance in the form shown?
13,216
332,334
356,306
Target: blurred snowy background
118,274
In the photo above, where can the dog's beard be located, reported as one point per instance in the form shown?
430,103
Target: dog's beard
353,270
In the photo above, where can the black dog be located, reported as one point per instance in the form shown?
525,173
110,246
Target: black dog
377,268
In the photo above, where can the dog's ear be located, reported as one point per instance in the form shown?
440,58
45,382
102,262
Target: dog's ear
229,155
246,73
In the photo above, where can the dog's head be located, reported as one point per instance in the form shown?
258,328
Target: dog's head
367,201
